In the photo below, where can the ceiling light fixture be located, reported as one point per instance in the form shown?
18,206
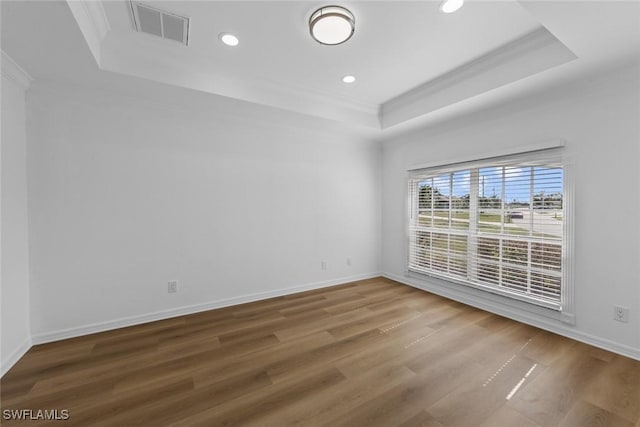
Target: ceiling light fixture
349,79
450,6
331,25
229,39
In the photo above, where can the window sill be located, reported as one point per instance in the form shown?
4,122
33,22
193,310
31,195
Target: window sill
495,303
453,281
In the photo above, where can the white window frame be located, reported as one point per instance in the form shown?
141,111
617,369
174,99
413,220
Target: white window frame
565,310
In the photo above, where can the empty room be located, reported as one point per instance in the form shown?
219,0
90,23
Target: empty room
307,213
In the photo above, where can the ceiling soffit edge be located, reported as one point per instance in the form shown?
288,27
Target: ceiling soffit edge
14,72
93,23
530,54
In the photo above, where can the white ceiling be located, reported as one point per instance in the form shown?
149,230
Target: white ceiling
395,46
412,62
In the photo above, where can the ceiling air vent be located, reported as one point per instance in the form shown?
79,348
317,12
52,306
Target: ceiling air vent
160,23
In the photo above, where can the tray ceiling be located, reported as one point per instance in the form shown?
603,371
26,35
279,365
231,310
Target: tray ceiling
400,53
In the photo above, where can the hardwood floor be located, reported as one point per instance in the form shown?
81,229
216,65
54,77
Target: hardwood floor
368,353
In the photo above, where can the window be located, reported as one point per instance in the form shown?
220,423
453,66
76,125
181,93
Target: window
496,224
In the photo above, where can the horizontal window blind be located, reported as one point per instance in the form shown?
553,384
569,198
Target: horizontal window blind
497,224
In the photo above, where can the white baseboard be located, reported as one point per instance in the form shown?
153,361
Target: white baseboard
15,356
543,323
532,319
51,336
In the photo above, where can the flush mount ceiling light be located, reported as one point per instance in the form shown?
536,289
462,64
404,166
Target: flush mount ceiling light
349,79
229,39
331,25
450,6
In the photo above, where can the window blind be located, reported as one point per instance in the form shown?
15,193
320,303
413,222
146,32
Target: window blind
496,224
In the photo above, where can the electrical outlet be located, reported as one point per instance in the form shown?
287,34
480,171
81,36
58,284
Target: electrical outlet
323,265
348,260
621,314
172,286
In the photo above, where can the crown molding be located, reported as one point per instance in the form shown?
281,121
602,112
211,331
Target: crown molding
14,72
330,106
530,54
92,20
119,57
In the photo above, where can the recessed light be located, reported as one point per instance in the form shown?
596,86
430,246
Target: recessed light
349,79
229,39
450,6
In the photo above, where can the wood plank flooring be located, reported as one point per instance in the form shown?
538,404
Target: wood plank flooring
368,353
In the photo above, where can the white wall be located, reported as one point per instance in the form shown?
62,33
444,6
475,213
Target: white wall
14,249
126,194
600,121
